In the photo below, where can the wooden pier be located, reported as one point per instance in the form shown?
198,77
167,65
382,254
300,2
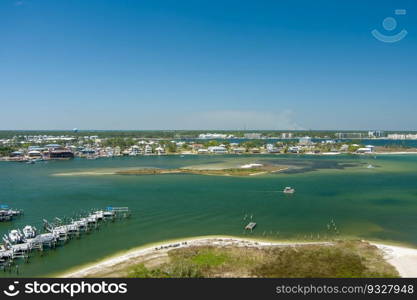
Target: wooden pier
18,245
7,214
250,226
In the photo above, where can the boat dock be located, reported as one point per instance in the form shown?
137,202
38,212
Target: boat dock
250,226
7,214
20,243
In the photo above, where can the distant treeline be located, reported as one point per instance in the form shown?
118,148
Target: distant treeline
170,134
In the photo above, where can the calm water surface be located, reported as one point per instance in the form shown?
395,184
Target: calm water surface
372,203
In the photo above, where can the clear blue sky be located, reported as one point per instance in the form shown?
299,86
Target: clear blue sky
124,64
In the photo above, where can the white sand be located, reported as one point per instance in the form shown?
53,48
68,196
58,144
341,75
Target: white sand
402,258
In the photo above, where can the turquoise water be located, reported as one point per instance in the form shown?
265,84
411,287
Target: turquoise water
372,203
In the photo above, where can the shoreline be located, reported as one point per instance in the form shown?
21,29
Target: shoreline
404,259
143,249
7,159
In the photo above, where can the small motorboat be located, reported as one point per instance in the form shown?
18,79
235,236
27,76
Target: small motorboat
109,214
92,218
99,214
288,190
29,232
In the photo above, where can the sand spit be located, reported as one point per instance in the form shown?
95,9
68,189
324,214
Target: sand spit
402,258
160,251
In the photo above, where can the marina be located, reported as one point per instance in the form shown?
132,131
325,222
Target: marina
7,214
19,244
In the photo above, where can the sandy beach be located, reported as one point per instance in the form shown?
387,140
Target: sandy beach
159,251
402,258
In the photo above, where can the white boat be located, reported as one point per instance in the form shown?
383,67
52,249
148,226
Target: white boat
109,214
92,219
81,224
72,228
15,236
29,232
288,190
99,214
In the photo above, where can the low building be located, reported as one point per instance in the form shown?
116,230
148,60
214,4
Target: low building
217,150
270,148
238,150
306,140
344,148
160,150
197,146
349,135
364,150
294,149
255,150
59,154
17,154
212,136
52,147
202,151
148,149
35,154
252,136
370,147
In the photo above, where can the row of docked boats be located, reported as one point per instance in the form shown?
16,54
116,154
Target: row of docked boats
20,243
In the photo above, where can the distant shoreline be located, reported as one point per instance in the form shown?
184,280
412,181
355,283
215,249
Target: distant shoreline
6,159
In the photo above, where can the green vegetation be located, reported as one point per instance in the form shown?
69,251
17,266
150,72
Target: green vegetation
6,150
118,141
174,134
224,172
343,259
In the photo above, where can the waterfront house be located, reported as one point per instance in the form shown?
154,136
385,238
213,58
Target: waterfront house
217,150
238,150
294,149
364,150
17,154
370,147
61,153
197,146
35,154
202,151
255,150
160,150
148,150
270,148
